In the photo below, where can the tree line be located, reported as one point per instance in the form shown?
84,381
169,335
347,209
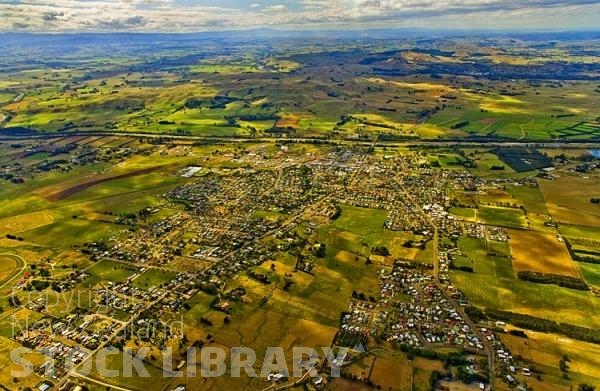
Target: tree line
545,325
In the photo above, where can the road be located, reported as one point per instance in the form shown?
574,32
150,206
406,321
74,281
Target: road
108,386
408,142
276,387
436,276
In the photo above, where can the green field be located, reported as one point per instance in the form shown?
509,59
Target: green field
591,273
152,278
532,199
112,271
71,231
503,217
495,285
577,231
360,221
232,96
464,213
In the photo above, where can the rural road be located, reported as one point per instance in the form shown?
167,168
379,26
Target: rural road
108,386
408,142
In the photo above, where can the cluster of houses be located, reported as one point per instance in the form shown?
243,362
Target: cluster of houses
108,300
506,363
358,317
425,310
403,217
411,310
498,234
220,234
64,355
473,230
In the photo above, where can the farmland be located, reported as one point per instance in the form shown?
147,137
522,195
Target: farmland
495,284
384,196
505,217
397,99
544,351
137,225
568,199
547,256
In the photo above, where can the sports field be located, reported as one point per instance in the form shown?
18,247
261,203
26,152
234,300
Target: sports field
112,271
11,269
153,278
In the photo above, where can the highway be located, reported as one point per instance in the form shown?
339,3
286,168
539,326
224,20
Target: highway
416,142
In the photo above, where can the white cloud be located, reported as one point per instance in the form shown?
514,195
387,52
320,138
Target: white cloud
171,15
275,8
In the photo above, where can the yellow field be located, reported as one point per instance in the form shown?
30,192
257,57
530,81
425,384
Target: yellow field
341,384
391,374
289,119
7,267
25,222
417,86
568,199
545,350
458,386
428,365
540,252
309,334
260,329
432,131
7,365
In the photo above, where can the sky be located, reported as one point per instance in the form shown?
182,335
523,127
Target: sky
217,15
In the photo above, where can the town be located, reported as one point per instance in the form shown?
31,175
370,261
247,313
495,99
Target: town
244,234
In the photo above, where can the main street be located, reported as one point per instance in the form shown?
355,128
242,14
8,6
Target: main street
436,275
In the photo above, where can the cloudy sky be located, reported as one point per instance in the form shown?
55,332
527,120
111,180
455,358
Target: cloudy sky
203,15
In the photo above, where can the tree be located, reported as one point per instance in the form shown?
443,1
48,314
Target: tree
321,250
586,387
380,250
14,301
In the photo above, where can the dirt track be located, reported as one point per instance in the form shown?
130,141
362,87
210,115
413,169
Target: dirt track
60,195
